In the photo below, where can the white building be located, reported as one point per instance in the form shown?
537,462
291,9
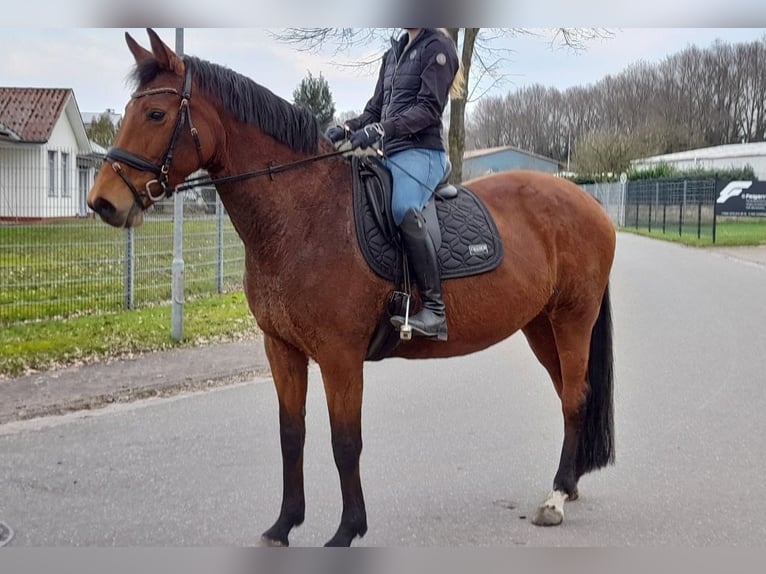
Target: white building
47,164
717,157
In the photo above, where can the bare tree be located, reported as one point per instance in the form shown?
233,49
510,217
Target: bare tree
693,98
606,154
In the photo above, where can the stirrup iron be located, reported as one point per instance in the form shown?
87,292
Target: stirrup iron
405,331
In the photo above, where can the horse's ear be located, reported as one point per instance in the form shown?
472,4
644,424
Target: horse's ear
138,52
166,57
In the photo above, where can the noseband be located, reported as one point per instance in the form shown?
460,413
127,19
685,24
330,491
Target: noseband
117,156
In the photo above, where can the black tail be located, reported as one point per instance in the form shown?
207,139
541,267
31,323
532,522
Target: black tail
596,448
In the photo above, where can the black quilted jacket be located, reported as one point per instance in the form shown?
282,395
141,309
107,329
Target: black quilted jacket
412,92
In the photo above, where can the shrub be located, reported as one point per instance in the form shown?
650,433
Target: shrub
665,171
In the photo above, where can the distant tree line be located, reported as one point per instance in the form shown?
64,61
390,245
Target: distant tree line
694,98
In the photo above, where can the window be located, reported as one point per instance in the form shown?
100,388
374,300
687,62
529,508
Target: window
52,174
66,190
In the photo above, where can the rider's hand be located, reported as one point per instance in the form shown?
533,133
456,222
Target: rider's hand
367,136
336,133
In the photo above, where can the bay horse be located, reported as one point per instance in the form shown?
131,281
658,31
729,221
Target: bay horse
314,296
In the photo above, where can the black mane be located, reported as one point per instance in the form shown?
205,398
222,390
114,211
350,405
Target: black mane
294,126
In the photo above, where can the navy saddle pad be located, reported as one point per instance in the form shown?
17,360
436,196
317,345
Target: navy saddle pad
463,230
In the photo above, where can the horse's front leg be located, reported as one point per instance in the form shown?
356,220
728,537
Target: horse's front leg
343,382
289,368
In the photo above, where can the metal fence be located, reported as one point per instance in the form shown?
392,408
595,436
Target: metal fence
612,197
681,208
74,265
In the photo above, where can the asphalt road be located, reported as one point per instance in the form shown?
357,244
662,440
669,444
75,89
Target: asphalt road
457,451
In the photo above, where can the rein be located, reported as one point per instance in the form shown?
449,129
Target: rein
270,171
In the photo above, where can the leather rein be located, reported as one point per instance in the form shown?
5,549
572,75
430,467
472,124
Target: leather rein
117,156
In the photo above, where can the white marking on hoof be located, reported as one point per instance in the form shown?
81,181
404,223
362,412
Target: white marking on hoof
551,512
270,543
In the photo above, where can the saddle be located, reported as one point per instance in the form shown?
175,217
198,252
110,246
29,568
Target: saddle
462,229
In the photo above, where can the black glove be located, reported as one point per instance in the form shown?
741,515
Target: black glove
367,136
336,133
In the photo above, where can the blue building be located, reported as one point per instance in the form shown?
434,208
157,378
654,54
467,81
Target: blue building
484,161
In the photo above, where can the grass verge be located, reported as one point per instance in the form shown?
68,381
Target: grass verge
59,343
741,233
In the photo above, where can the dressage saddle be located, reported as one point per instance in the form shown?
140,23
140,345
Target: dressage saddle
463,231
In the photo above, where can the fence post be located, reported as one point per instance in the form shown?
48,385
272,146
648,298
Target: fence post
130,268
681,211
715,196
178,266
621,208
219,255
699,219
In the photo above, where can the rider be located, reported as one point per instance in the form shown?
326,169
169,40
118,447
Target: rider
405,113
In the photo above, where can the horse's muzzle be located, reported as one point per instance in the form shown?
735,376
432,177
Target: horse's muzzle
111,215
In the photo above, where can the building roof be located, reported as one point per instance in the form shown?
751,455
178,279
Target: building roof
489,151
30,114
725,151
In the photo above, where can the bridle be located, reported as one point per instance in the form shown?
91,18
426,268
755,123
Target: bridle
115,156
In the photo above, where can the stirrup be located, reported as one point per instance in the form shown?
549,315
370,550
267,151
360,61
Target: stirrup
405,331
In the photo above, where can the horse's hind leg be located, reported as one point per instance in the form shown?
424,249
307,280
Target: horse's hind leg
542,341
289,368
563,348
342,374
539,334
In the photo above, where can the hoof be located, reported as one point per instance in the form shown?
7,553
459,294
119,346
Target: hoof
267,542
548,516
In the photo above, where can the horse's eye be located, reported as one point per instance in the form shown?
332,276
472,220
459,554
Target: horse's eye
155,115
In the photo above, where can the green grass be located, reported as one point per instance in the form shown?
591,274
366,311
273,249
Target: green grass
728,233
71,268
56,343
744,232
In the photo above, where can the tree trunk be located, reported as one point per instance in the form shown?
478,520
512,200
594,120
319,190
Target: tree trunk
456,136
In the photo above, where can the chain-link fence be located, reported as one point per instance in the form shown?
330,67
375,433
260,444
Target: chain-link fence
612,197
58,260
681,208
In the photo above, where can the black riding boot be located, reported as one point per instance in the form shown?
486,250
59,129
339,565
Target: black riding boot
431,320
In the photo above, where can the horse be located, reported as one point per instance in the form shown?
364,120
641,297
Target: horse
315,298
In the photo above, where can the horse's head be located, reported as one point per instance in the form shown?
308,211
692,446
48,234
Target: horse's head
157,145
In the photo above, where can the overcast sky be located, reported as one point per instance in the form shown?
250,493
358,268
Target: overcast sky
94,62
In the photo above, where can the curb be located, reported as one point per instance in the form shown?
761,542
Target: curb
163,373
